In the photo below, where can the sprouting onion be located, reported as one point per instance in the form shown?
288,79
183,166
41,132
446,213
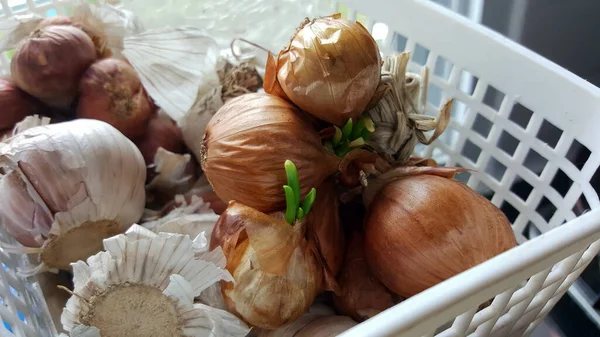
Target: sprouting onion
294,209
351,136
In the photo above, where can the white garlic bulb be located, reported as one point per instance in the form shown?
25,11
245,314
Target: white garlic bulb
144,285
68,186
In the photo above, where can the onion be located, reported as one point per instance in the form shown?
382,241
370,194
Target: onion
98,38
325,229
362,296
15,104
162,132
277,276
245,146
111,91
330,69
423,229
50,62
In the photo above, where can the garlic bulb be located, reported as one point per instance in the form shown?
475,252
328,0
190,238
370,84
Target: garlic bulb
276,274
399,116
144,285
69,185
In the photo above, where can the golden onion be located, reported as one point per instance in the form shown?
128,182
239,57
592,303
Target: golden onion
330,69
423,229
246,144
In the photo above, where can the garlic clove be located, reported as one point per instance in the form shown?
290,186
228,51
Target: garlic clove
144,284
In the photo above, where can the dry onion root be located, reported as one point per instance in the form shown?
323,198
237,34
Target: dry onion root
144,285
330,69
423,227
399,115
246,144
67,187
49,63
111,91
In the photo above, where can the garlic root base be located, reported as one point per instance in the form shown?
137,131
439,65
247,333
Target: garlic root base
79,243
131,310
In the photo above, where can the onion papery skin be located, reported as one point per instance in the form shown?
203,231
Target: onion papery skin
49,63
162,132
277,276
421,230
246,144
111,91
15,104
330,69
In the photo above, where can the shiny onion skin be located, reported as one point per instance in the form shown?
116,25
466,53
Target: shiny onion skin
277,275
330,69
15,104
362,296
424,229
325,229
111,91
98,38
246,144
49,63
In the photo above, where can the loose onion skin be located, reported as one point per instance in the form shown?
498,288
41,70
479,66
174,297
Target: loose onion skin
246,144
424,229
330,69
48,64
362,296
15,104
277,276
111,91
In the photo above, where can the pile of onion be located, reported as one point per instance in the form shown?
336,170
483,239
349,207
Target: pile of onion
111,91
49,63
245,146
15,105
330,69
423,228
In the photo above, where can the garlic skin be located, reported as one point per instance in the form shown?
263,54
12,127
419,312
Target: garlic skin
84,179
277,275
144,285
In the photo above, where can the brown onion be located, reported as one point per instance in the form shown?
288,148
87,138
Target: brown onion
277,276
246,144
15,104
50,62
162,132
330,69
362,296
111,91
423,229
325,229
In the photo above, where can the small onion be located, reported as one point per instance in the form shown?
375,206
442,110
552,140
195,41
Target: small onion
15,104
325,229
50,62
246,144
277,276
330,69
362,296
98,38
111,91
423,229
162,132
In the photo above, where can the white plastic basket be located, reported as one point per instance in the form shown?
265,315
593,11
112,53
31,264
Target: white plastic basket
534,114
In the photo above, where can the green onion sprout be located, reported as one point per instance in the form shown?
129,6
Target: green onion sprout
295,209
351,136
